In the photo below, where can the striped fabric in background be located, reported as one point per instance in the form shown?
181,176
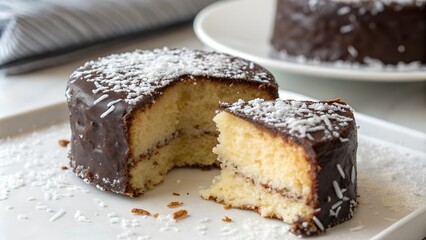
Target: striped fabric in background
41,33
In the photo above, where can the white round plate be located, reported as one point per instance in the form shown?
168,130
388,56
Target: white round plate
243,28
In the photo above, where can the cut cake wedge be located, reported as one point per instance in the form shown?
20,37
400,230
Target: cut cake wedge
287,159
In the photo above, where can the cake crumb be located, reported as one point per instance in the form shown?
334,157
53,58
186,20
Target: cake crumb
174,204
227,206
64,167
139,211
227,219
156,215
176,194
63,143
180,214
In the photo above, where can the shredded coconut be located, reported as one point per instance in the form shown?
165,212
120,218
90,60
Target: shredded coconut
369,63
80,218
357,228
57,215
386,170
383,170
296,117
141,72
22,217
254,229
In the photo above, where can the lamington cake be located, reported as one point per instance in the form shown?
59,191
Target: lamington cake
357,31
134,116
287,159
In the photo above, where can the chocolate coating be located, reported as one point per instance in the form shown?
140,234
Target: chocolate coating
103,96
324,151
352,31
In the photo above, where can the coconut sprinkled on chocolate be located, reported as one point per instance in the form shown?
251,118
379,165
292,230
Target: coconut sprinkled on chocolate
141,72
299,118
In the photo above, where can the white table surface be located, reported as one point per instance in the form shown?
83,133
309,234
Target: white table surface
399,103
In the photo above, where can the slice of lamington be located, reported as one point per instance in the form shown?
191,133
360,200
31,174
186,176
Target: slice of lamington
287,159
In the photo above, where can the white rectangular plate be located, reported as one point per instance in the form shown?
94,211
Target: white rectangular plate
40,200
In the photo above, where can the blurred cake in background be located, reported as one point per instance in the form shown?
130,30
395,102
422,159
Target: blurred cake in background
388,32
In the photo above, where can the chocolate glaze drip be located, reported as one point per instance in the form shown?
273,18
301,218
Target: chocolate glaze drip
323,155
351,30
99,146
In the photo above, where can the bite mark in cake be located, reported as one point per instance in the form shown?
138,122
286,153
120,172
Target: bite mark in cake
288,159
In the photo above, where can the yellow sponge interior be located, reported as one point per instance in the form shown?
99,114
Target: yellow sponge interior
177,130
233,190
264,157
